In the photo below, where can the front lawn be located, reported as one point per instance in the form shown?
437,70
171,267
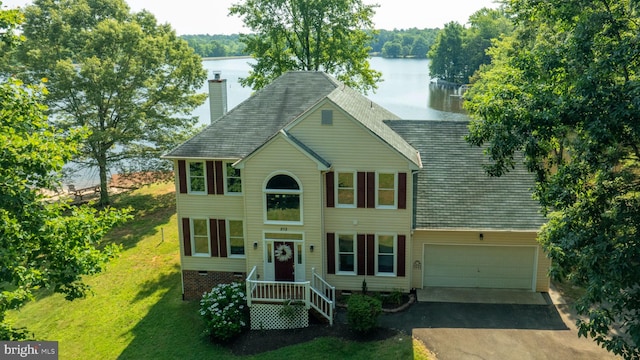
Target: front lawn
137,311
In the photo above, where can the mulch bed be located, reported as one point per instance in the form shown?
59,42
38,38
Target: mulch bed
258,341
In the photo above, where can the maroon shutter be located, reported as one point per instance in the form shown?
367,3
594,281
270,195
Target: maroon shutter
182,176
222,231
331,253
330,189
362,188
186,236
219,178
402,190
213,234
361,251
402,245
210,178
371,190
371,254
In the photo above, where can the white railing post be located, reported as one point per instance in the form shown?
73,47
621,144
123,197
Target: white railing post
249,286
307,295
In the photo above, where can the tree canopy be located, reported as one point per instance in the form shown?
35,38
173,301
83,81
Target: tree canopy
326,35
42,244
565,91
458,51
132,82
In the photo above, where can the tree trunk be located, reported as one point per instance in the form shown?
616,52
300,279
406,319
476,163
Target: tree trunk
104,190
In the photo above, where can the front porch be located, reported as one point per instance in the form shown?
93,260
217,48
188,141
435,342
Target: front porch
286,304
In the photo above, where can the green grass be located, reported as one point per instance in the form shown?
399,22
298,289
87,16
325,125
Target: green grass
137,311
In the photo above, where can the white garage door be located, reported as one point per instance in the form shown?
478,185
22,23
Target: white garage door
500,267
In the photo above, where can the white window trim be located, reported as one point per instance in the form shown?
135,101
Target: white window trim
355,254
226,185
244,239
395,255
193,239
395,190
265,191
354,185
204,169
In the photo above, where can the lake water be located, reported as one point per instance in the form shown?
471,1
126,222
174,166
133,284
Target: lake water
406,91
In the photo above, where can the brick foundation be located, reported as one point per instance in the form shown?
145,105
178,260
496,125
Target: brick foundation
197,283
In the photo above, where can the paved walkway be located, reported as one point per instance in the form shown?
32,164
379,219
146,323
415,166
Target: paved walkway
456,325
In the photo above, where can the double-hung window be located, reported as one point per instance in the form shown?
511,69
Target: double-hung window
346,190
346,249
200,237
236,238
386,194
234,180
197,177
385,254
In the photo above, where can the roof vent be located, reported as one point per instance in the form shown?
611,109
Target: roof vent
327,117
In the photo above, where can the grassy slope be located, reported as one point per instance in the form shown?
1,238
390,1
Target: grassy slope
137,310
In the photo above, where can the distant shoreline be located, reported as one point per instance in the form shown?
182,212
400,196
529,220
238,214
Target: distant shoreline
227,57
250,57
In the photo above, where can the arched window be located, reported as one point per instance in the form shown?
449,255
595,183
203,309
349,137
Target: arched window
283,204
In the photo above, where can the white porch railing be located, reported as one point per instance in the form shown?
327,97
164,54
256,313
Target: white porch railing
316,293
323,296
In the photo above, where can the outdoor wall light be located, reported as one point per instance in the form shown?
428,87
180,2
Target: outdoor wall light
311,247
481,236
255,245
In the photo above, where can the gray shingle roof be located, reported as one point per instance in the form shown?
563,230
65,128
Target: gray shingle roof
253,122
258,118
454,191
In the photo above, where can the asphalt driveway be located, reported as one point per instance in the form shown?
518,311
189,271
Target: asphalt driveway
455,331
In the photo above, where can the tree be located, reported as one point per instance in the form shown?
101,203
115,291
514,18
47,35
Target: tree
320,35
131,81
10,19
420,47
446,54
392,49
42,244
486,25
565,91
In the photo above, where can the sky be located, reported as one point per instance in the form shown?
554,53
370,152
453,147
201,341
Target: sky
211,16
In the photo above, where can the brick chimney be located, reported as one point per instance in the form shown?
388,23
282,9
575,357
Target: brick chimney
217,96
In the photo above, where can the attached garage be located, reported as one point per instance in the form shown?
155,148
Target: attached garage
482,266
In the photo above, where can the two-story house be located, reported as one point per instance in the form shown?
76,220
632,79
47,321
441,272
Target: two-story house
309,183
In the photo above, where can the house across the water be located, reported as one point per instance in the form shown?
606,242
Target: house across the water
308,188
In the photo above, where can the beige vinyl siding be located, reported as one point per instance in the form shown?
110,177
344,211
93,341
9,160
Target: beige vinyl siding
203,263
211,206
281,157
468,237
374,283
204,206
346,144
349,146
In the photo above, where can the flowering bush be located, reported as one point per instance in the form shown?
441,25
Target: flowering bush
224,311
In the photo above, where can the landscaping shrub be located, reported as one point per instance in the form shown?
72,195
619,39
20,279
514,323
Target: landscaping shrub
225,311
363,312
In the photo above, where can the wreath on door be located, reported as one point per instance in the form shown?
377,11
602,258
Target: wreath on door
283,252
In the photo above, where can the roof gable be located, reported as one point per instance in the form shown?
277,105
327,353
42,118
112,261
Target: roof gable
254,121
322,164
369,116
